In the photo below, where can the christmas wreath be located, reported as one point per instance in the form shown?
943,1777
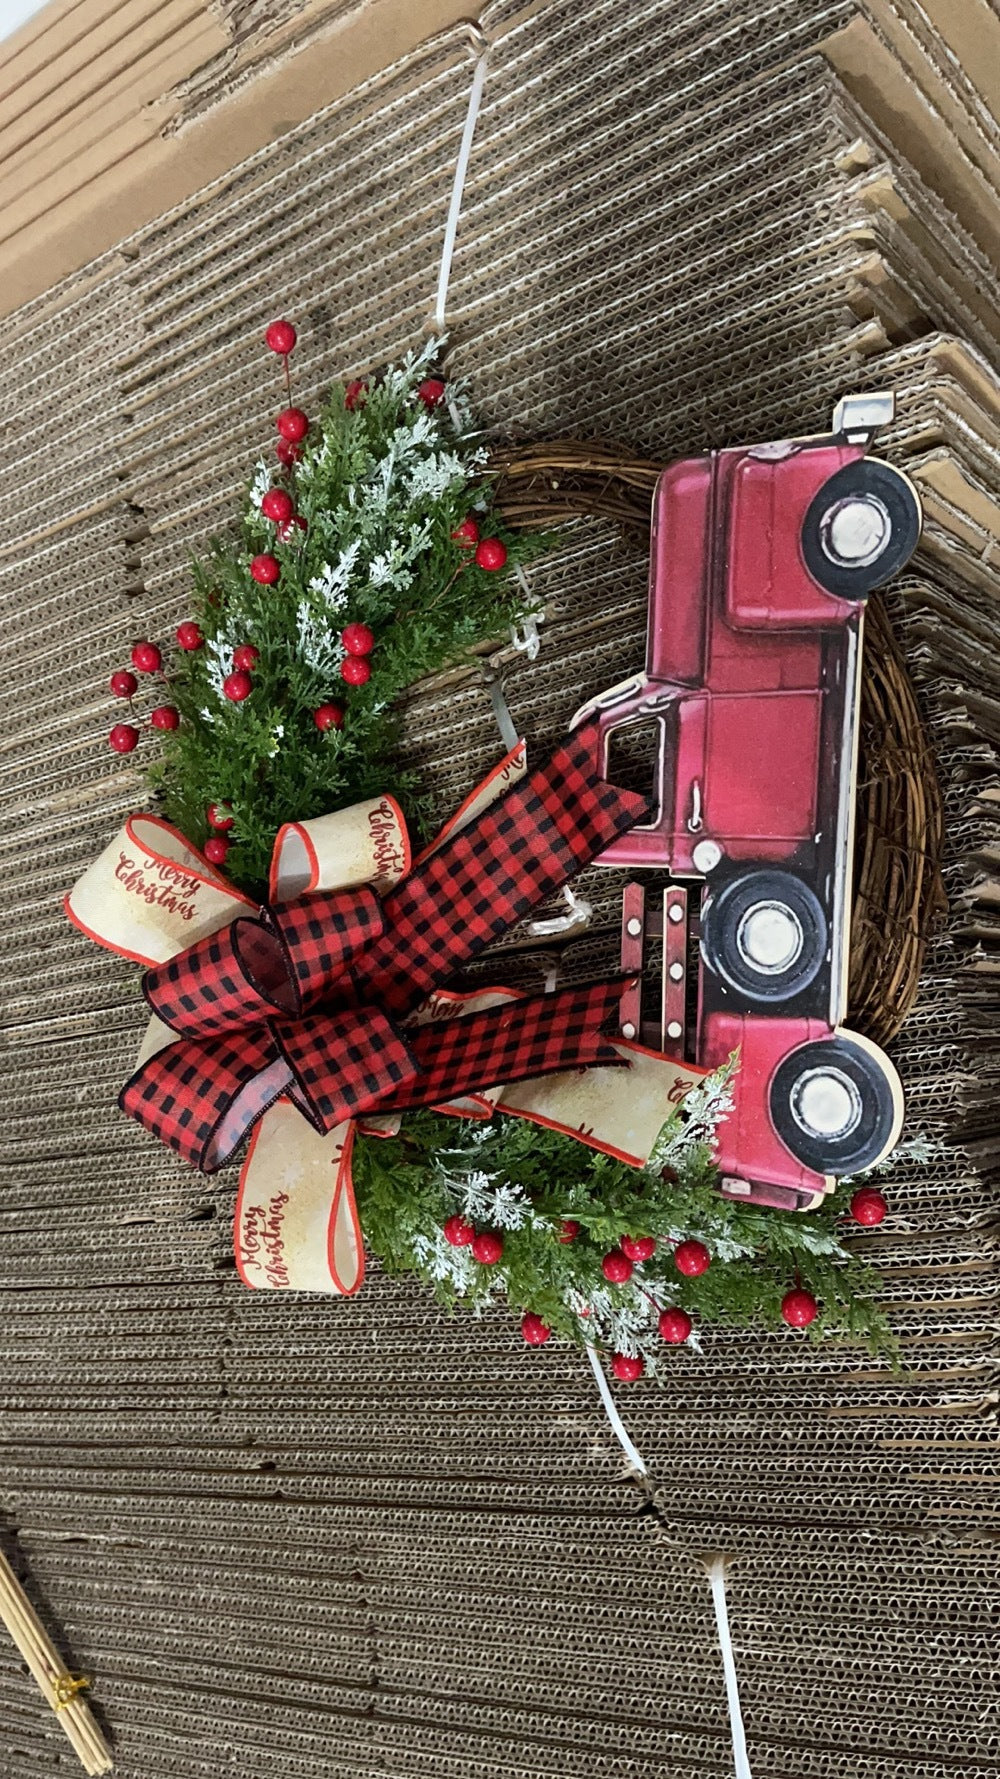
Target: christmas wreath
373,553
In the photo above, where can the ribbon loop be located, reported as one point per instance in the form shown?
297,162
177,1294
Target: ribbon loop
322,934
201,1095
205,992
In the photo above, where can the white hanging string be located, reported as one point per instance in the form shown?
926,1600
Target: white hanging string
715,1566
458,186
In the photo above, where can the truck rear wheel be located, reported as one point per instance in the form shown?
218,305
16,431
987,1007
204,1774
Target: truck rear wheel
836,1104
765,934
861,528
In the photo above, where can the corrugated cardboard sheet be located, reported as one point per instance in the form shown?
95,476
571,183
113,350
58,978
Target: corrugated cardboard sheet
296,1537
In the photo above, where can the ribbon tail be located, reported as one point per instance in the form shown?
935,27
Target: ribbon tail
487,877
296,1226
534,1036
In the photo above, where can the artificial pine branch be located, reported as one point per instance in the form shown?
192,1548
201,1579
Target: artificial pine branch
383,482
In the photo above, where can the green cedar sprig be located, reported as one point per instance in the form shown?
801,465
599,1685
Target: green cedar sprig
382,483
525,1182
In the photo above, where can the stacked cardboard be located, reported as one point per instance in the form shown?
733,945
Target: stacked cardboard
308,1538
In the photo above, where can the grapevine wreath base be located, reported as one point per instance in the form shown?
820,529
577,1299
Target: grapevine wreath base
380,544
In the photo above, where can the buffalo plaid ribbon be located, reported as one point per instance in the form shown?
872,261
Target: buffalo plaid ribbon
312,998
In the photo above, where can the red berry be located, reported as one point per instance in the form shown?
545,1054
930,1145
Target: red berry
458,1232
216,849
357,639
292,424
281,337
123,683
535,1331
165,716
329,716
354,394
237,686
692,1258
287,453
277,505
638,1247
626,1369
466,534
246,657
617,1267
290,526
265,569
568,1230
868,1207
799,1308
123,738
487,1248
146,657
356,670
431,392
188,635
675,1326
220,816
491,553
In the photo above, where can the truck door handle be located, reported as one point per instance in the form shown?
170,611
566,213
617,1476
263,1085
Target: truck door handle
694,821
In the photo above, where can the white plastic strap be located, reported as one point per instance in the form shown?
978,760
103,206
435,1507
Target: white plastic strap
614,1417
457,190
717,1575
715,1567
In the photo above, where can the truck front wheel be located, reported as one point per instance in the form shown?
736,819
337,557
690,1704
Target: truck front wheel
837,1104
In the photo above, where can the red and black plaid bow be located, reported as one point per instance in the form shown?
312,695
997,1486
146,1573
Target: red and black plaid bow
311,999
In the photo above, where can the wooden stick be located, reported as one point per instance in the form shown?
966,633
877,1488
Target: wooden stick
60,1689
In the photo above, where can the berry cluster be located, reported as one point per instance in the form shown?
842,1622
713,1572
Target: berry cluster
146,658
691,1257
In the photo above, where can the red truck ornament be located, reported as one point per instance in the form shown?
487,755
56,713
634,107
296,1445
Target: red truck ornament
761,561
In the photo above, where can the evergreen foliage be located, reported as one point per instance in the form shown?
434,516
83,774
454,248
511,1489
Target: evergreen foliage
525,1182
382,485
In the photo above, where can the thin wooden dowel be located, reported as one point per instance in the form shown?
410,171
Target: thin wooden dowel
60,1689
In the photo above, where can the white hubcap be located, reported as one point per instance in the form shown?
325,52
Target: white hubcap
856,531
769,937
826,1103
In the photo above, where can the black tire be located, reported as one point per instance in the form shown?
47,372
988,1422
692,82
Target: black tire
893,534
822,1081
746,925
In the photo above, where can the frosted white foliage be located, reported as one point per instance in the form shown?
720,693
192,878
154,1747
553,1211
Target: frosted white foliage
704,1108
391,567
444,1264
218,662
330,585
482,1199
433,475
626,1325
406,376
320,648
726,1247
260,484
